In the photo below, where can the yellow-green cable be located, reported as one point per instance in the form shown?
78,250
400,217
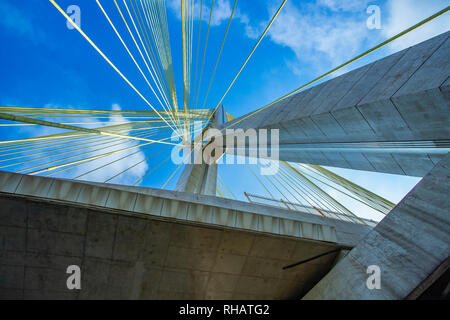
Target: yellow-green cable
251,53
204,54
220,52
384,43
103,55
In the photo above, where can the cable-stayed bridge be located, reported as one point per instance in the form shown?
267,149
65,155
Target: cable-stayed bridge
298,239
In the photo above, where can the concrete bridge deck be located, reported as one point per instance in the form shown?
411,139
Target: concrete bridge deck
139,243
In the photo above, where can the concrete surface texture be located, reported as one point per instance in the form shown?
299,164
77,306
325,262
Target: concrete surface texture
344,121
408,245
139,243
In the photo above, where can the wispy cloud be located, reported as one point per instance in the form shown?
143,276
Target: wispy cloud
402,14
344,5
221,11
98,146
135,155
326,33
320,34
17,22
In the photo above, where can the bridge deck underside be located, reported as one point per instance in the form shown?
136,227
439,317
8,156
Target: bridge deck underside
124,252
129,257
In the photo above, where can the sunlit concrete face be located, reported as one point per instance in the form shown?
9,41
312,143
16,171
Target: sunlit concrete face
375,118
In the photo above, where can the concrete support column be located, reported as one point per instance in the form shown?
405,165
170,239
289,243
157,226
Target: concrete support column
202,178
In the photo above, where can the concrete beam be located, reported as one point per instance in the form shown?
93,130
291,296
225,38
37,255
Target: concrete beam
408,245
188,207
352,120
141,243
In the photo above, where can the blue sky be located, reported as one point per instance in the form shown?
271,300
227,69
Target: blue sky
44,64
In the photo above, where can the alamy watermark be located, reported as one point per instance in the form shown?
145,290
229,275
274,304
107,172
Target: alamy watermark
374,280
74,280
240,146
74,13
374,20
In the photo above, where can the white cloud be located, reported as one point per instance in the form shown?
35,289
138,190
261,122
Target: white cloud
329,32
96,147
402,14
344,5
316,36
107,172
221,11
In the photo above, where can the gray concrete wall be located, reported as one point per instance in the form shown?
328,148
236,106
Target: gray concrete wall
142,243
402,97
408,245
135,256
194,208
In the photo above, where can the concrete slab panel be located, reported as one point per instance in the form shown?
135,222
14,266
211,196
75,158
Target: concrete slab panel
13,238
400,73
426,113
223,217
245,220
67,219
353,123
184,281
148,205
272,248
156,243
290,228
200,213
384,163
343,85
357,161
45,279
121,200
9,182
193,259
175,209
129,238
220,283
377,70
32,185
195,237
269,224
92,195
64,190
229,263
414,165
54,243
329,126
433,72
384,118
13,213
100,235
